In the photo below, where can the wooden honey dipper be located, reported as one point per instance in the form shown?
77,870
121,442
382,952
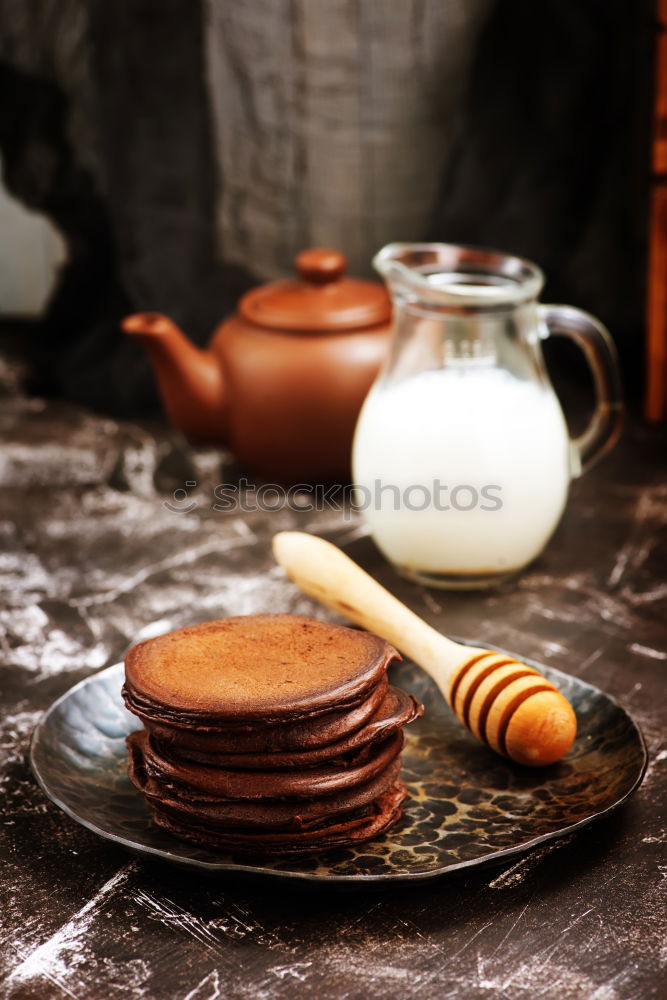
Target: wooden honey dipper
504,703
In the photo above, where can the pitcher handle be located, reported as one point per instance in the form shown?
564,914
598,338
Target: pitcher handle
595,341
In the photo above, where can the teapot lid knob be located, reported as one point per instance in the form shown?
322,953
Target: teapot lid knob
319,265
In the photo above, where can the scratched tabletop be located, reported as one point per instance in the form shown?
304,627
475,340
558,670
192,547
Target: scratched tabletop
108,526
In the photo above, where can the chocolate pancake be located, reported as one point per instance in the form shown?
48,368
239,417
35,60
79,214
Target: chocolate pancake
202,782
255,668
303,735
267,814
341,832
396,710
268,734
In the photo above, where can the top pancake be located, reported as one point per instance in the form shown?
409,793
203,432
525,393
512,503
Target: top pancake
266,668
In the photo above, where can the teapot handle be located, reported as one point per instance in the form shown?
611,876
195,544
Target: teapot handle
595,341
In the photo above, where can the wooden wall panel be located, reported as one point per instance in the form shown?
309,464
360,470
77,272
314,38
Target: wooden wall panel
656,376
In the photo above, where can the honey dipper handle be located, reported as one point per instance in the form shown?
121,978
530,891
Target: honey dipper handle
321,570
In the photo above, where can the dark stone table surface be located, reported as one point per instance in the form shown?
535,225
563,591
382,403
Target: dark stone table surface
90,554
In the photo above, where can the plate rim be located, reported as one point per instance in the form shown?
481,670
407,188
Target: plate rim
360,878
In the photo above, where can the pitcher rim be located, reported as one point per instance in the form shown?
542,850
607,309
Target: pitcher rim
522,279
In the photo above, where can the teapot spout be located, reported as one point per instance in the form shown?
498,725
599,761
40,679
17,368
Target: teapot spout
190,380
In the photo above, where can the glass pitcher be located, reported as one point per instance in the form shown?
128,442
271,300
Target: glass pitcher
462,458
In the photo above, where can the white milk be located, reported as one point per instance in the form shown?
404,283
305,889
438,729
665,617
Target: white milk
475,438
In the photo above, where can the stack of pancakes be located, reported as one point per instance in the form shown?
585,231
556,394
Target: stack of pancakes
272,734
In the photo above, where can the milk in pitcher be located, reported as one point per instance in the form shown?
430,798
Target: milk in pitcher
462,475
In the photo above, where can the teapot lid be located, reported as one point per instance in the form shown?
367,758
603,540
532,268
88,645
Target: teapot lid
320,298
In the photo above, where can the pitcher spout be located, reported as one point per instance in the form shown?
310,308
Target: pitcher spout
190,380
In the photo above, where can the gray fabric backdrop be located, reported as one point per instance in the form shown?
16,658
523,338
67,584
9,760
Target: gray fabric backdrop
187,149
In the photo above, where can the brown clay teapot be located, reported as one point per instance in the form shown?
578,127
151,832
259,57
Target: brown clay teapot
283,380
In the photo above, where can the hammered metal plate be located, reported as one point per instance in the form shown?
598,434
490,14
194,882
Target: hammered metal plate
466,805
